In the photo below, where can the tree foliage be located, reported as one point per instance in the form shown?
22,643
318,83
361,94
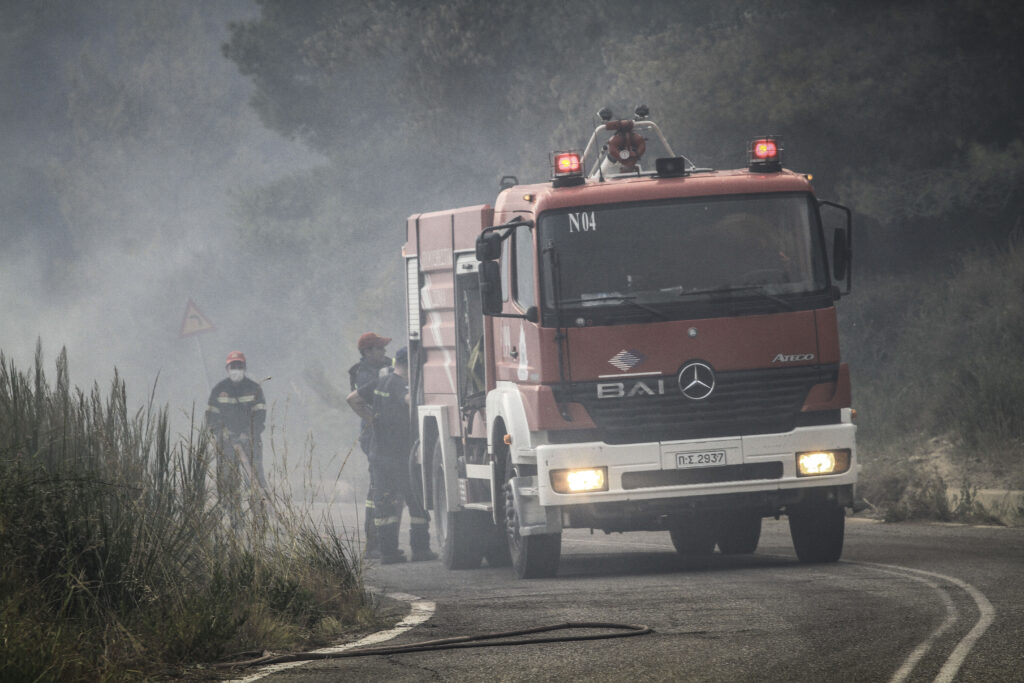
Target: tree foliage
901,110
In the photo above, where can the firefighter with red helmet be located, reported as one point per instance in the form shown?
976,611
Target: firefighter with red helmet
235,415
384,403
373,360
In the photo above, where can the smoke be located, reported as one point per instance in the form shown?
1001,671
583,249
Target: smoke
127,141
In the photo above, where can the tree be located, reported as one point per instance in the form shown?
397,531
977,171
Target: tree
878,101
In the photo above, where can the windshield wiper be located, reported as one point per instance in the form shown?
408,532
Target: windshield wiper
756,289
626,298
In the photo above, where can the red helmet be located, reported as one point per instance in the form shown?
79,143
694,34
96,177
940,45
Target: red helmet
371,340
234,357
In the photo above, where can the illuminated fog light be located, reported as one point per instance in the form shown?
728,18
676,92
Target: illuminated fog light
816,463
579,481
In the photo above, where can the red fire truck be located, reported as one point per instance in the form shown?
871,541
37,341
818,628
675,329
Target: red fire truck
640,346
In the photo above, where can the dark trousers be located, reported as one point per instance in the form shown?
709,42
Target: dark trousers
241,483
392,493
369,510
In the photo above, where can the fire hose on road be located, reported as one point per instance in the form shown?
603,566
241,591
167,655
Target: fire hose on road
501,638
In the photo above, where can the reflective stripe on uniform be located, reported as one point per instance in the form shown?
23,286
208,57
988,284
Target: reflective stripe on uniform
258,406
226,399
419,520
213,409
369,503
384,521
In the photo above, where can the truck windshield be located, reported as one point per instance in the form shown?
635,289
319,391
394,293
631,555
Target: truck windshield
640,259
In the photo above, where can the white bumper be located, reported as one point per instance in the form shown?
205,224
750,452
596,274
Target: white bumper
662,456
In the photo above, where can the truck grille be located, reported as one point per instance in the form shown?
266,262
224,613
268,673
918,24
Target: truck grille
764,401
702,475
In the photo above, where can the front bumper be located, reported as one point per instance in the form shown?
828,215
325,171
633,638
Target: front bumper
755,465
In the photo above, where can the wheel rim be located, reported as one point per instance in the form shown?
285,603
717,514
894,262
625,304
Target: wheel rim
511,519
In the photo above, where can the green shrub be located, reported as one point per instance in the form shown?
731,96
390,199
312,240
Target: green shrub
935,355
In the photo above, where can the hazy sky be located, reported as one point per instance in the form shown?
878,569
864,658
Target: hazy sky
127,138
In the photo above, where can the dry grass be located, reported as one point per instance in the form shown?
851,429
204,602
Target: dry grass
939,384
117,561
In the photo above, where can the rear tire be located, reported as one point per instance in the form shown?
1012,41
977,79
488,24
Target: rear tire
739,533
693,537
532,557
496,552
818,532
458,532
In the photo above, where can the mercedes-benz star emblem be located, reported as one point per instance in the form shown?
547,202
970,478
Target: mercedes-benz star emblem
696,380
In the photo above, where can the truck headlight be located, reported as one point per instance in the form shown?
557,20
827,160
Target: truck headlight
814,463
580,480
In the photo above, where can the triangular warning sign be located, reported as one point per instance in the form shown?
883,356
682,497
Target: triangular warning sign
194,321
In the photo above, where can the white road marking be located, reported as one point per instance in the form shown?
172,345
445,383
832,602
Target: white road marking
918,652
419,612
986,615
986,612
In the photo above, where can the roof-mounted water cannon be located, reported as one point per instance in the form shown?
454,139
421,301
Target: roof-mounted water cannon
765,154
625,147
620,155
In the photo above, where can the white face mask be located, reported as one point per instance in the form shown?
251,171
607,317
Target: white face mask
236,375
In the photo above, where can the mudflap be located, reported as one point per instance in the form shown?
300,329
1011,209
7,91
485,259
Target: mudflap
534,519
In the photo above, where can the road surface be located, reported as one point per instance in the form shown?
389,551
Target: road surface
908,602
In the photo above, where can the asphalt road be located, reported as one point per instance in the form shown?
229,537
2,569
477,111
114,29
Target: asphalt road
913,602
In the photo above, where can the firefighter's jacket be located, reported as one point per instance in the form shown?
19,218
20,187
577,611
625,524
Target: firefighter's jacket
360,375
391,429
240,408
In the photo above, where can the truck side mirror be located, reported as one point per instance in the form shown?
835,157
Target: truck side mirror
490,284
488,248
842,246
840,254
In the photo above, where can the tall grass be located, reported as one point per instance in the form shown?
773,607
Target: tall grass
117,561
938,371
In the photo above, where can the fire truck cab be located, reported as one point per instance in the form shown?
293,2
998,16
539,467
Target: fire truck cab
641,347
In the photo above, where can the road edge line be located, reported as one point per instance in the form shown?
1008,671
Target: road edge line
420,610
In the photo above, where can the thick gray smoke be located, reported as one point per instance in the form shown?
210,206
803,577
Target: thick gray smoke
128,145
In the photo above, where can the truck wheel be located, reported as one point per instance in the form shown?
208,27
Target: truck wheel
533,557
739,533
457,532
817,532
693,538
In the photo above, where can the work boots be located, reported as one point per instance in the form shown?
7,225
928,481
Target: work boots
387,536
419,541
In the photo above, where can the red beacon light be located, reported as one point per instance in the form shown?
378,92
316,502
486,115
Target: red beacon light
765,154
568,169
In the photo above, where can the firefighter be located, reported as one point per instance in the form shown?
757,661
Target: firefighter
385,404
235,415
372,361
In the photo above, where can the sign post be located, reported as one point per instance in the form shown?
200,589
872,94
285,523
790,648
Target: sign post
193,324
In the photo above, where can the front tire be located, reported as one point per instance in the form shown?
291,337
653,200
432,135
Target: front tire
457,532
818,532
693,537
739,533
533,557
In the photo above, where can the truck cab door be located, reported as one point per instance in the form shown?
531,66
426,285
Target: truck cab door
469,322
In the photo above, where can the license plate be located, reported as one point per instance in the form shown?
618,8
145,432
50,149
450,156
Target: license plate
701,459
